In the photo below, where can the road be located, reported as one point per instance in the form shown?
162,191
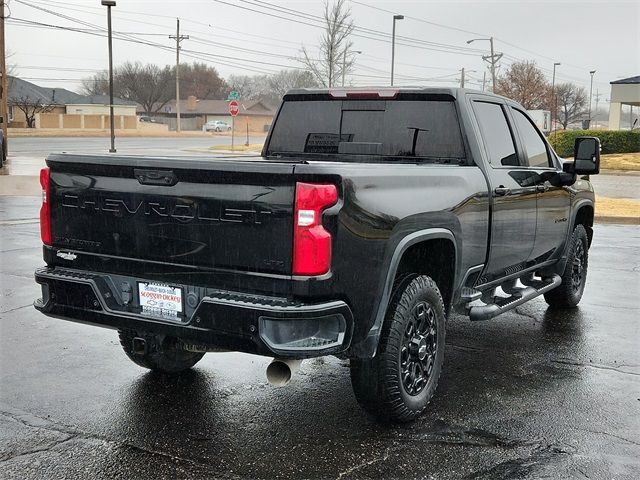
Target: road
535,393
620,185
27,154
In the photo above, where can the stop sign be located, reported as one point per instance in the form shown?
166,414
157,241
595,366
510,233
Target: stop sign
233,108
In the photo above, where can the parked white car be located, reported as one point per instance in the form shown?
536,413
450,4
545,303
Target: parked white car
216,126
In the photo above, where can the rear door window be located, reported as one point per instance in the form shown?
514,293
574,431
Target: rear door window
537,154
496,134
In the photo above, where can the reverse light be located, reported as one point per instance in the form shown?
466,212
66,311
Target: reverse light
45,209
311,242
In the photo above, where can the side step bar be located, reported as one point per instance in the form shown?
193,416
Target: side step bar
518,296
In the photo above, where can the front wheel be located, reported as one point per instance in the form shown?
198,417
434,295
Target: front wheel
398,383
161,354
574,277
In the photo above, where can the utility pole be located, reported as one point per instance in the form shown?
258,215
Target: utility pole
4,84
178,38
493,67
393,43
462,78
590,92
484,80
554,99
491,59
597,95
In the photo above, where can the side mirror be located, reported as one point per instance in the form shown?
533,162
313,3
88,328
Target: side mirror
587,156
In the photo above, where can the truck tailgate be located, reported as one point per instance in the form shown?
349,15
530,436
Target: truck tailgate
212,213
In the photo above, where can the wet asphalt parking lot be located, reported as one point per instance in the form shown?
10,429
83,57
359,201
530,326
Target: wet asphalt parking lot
535,393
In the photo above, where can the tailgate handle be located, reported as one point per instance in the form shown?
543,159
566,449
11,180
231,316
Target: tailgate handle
156,177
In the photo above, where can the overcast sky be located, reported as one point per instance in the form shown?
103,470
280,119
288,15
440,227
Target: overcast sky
431,44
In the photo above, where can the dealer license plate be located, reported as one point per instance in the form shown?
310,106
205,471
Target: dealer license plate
158,300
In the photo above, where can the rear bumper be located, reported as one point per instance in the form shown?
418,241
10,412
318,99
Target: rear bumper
271,326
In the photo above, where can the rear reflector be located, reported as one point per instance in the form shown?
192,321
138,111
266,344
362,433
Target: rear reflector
45,209
311,242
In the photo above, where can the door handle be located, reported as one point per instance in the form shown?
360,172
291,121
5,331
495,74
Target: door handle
541,188
502,191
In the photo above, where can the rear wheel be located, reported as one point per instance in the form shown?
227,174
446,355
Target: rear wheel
574,277
162,354
398,383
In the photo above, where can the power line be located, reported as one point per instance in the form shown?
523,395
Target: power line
421,20
366,33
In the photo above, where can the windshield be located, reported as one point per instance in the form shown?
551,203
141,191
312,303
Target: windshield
386,128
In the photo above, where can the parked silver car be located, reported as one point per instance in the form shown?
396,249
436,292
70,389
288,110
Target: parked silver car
216,126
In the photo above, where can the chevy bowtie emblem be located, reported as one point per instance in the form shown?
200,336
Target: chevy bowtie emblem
67,255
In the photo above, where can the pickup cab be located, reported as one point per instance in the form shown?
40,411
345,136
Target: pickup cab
370,216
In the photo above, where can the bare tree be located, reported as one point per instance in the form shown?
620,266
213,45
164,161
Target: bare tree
335,56
572,101
285,80
271,87
30,107
98,84
201,81
525,83
251,87
149,85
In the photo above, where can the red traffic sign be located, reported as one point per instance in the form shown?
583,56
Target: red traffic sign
234,108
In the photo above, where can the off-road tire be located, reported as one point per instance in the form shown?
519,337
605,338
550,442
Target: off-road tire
568,293
163,353
378,383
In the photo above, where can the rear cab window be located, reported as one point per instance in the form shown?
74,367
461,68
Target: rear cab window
418,128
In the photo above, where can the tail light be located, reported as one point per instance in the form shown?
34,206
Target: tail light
311,242
45,209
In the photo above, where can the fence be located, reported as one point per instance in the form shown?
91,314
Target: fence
63,120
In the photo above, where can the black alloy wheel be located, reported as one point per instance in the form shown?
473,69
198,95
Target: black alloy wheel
578,267
399,381
418,354
574,277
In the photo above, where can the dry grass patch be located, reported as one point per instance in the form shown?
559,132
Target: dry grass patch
617,207
252,147
620,161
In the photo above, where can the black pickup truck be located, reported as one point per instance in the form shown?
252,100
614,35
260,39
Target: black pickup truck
370,215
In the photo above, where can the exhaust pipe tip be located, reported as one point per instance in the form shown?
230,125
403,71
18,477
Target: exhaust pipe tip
279,372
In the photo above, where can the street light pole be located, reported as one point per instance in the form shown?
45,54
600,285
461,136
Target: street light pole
344,62
393,43
109,4
590,93
554,98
